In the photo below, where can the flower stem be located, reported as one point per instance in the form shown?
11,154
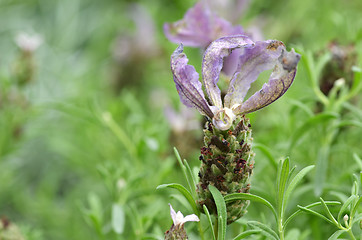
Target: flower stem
351,234
216,229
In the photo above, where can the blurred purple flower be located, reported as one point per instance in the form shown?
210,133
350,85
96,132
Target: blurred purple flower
183,121
256,57
141,43
232,10
200,26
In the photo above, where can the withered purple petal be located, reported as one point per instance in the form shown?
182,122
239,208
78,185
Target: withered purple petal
199,27
279,82
254,60
213,61
187,83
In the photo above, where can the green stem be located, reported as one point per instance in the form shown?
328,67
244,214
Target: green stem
280,228
200,230
351,234
216,229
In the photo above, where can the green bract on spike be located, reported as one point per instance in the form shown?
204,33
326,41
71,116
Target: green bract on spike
227,163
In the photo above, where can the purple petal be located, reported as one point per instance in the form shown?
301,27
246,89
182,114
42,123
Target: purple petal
254,60
199,27
187,83
279,82
213,62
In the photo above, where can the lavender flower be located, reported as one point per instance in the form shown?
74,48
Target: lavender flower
232,10
177,230
256,57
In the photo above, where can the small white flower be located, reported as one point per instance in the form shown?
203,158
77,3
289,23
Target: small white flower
179,219
28,42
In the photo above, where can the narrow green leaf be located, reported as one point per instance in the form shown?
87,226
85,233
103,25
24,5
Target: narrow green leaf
321,169
329,214
282,180
315,213
336,234
357,218
309,206
345,206
264,149
295,181
118,218
251,197
322,61
352,123
354,188
210,221
302,106
265,229
221,212
191,176
293,234
246,234
357,84
358,160
309,124
184,170
184,192
355,207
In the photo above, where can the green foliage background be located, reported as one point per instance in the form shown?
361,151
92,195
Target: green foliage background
82,153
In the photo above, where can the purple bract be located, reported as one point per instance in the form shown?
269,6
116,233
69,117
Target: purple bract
254,58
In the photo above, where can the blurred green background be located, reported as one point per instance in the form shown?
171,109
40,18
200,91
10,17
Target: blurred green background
86,139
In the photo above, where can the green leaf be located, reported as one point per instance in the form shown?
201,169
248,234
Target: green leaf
210,221
346,205
265,229
355,207
251,197
354,188
309,206
184,192
295,181
191,175
358,160
293,234
357,83
264,149
322,61
184,170
329,214
309,124
118,218
321,169
282,180
315,213
221,212
302,106
336,234
246,234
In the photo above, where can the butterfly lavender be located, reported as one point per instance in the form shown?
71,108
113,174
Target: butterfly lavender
255,58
